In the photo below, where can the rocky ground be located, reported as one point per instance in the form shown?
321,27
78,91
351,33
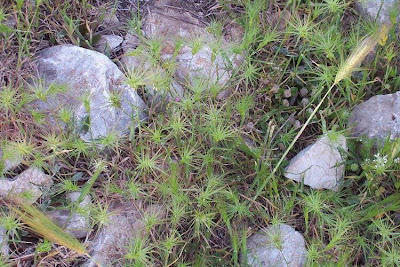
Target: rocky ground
105,87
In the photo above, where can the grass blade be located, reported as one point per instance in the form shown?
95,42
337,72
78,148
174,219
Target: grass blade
86,188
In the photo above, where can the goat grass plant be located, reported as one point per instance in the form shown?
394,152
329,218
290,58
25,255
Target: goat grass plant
42,225
215,163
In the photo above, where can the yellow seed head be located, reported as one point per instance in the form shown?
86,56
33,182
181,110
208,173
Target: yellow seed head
360,52
43,226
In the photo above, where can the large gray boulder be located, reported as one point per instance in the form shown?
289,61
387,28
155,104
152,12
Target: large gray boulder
276,246
377,118
95,91
320,164
379,9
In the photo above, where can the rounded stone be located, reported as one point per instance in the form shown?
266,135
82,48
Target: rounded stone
91,87
278,246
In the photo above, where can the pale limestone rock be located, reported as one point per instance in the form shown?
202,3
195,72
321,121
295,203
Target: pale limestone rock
213,61
278,246
7,164
95,91
4,248
378,9
126,222
27,186
319,165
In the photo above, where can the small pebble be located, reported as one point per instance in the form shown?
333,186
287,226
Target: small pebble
305,102
285,103
291,120
303,92
275,89
287,93
296,124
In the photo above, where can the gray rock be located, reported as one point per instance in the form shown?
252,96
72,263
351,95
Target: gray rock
319,165
214,67
74,196
125,224
76,223
4,248
164,21
108,43
377,118
26,187
277,246
9,163
224,94
212,61
159,95
131,42
378,9
158,85
10,22
109,106
110,20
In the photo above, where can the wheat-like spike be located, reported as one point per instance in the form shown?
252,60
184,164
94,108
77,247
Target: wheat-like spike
43,226
360,52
